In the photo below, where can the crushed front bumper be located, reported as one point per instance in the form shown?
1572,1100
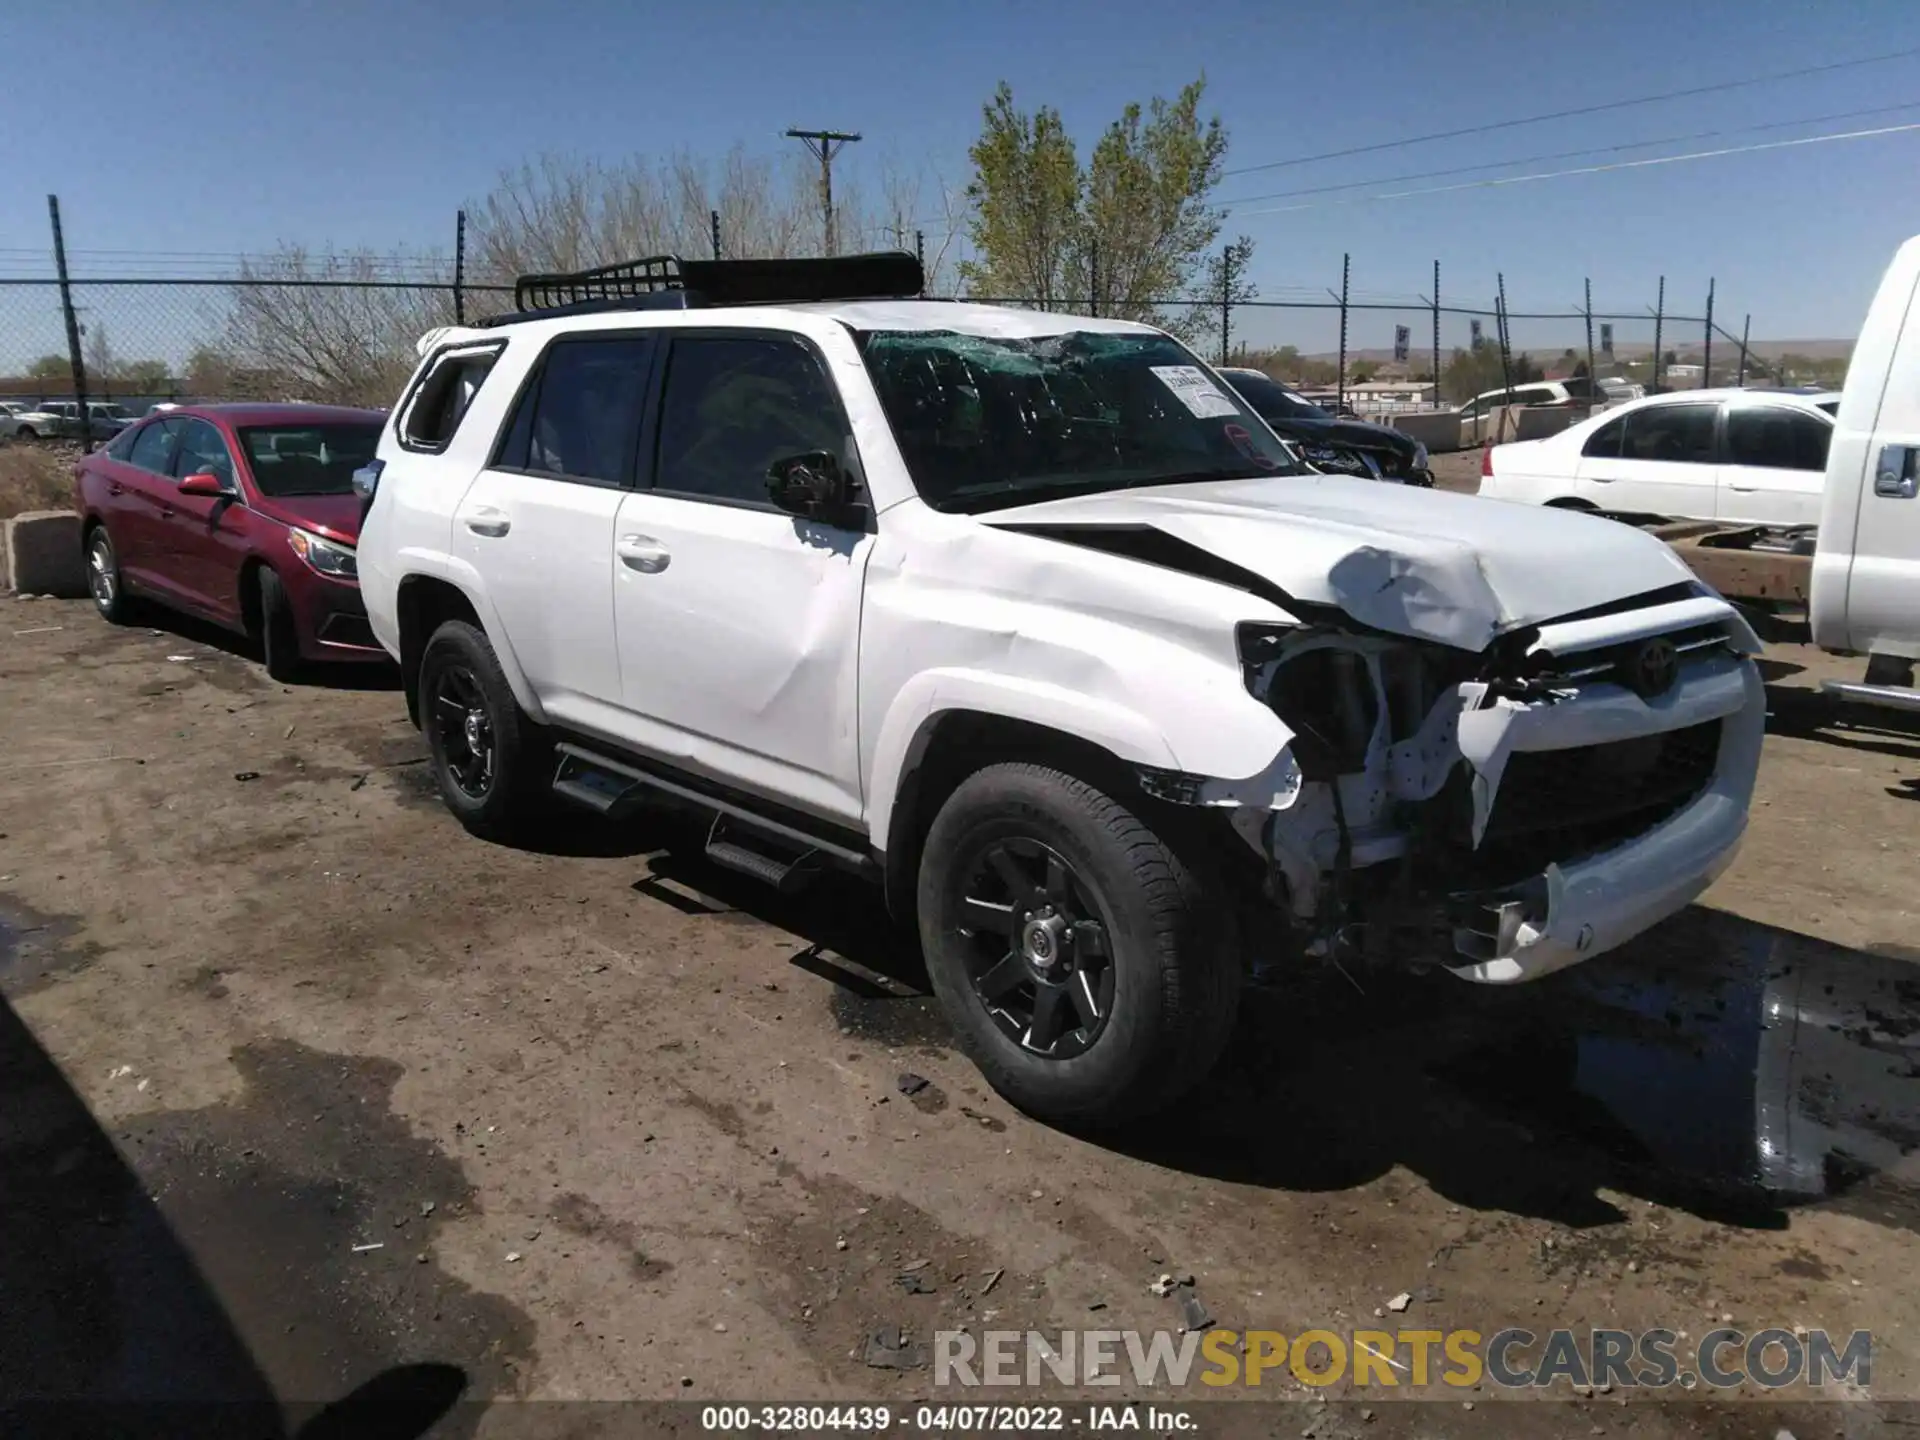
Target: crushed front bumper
1575,911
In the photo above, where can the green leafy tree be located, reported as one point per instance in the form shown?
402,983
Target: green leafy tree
1474,372
1124,234
50,367
1026,196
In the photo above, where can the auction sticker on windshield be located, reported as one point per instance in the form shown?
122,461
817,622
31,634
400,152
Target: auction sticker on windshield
1196,391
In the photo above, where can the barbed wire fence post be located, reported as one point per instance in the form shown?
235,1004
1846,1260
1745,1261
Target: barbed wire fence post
1706,359
1746,328
1593,389
1659,318
920,254
1226,303
76,361
1436,334
460,267
1506,355
1340,381
713,229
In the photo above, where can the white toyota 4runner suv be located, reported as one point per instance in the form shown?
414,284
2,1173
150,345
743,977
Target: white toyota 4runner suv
1029,619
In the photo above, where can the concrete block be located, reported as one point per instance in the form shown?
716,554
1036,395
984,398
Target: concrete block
1438,430
42,554
1537,423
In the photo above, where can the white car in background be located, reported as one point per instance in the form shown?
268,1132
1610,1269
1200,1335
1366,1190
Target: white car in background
1744,457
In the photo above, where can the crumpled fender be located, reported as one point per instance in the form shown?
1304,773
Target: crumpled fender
1119,729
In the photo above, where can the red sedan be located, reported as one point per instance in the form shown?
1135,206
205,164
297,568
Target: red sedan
242,514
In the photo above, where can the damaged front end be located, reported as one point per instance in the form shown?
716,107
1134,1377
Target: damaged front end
1504,813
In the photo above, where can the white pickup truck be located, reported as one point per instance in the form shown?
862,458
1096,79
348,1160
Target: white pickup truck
1029,619
1865,596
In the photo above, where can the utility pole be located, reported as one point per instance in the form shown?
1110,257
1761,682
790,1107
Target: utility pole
824,145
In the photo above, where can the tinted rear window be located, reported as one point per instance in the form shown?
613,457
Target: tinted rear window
1675,434
308,459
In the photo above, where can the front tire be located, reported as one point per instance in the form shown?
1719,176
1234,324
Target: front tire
488,756
1076,955
279,637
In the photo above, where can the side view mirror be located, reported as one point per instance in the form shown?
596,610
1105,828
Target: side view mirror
366,479
811,485
205,484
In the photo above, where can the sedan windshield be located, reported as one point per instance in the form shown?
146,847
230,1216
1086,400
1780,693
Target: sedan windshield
986,422
307,459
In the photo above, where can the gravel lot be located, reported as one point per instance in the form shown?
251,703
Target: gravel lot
302,1084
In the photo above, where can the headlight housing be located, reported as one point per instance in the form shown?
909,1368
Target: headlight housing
325,557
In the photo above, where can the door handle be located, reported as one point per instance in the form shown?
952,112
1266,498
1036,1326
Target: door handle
1897,477
1742,489
486,521
114,487
166,512
642,553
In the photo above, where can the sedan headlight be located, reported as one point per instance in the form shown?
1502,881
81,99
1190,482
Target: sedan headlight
1419,455
327,557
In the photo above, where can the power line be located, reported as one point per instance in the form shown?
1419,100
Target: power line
1594,169
1572,154
1714,89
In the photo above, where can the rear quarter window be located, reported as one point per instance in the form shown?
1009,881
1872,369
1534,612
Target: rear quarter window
431,413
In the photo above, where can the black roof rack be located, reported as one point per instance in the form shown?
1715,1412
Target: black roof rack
666,282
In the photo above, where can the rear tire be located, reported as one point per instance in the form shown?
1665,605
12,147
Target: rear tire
489,758
109,591
26,432
279,638
1033,881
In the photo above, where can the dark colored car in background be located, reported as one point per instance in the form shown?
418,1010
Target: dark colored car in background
241,514
1327,442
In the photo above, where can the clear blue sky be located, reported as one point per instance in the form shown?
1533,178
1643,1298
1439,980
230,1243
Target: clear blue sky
231,125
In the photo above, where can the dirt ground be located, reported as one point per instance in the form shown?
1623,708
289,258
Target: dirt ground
303,1090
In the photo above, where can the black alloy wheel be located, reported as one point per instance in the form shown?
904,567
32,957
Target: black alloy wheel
1038,959
458,712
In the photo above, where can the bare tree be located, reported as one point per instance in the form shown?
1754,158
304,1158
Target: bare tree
332,327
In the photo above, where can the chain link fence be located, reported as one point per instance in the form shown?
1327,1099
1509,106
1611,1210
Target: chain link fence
344,330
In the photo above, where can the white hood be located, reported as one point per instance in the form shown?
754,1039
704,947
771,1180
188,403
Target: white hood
1458,569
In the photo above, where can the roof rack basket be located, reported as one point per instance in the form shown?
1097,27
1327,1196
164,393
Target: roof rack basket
666,281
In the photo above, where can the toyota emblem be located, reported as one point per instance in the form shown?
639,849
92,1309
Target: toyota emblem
1652,668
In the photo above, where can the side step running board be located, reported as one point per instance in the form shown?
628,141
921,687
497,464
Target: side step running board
785,873
613,788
